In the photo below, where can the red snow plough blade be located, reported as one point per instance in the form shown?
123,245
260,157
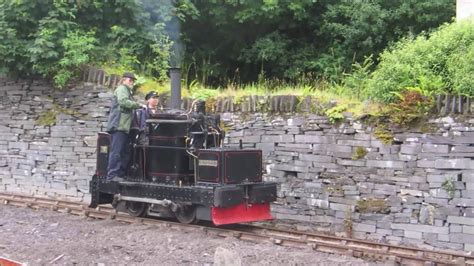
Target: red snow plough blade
241,213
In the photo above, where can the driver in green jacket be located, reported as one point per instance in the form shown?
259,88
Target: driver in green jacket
119,124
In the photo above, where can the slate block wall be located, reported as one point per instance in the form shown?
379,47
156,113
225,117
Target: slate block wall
58,160
417,191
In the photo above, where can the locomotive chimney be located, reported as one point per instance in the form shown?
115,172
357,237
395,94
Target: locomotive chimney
175,76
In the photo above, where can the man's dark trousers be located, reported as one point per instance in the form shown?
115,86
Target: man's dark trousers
119,155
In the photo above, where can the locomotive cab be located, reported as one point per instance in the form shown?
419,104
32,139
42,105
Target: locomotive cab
180,169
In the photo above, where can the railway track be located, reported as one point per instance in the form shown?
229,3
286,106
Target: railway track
317,242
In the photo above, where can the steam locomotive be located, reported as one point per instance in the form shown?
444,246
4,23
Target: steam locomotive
180,169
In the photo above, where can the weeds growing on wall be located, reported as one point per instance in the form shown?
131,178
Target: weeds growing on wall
348,222
373,206
335,113
359,153
448,186
49,117
411,104
383,134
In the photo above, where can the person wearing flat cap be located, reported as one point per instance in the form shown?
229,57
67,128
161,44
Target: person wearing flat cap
150,108
118,125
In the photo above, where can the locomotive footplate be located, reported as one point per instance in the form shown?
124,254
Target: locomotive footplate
222,204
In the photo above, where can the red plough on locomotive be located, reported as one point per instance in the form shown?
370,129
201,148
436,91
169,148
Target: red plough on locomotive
180,169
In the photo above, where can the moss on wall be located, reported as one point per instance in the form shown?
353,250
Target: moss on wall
372,206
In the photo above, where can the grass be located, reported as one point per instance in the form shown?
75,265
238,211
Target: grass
147,85
324,93
327,94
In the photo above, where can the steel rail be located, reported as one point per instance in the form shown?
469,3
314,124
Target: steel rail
318,242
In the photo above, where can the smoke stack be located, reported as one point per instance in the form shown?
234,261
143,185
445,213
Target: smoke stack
175,75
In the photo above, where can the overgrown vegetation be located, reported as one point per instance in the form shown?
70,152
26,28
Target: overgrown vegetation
431,63
359,153
384,135
373,206
49,117
54,38
290,39
210,40
349,62
348,222
412,108
412,105
335,113
448,186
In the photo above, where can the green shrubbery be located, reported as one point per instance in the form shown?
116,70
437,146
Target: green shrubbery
434,63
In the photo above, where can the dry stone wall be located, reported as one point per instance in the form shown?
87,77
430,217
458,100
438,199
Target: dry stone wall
338,179
56,160
343,180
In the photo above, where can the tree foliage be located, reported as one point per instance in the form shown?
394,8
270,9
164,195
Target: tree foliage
53,38
241,39
217,42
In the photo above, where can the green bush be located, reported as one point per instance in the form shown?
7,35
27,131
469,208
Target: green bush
438,62
460,68
78,46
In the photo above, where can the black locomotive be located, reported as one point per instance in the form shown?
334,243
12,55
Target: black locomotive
180,169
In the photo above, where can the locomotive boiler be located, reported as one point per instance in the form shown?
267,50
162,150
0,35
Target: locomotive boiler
179,168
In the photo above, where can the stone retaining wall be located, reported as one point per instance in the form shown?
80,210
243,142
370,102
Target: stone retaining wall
339,179
343,180
56,160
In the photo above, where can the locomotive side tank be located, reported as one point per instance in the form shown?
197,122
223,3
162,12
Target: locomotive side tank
179,168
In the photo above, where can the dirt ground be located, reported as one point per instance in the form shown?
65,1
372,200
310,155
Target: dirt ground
39,237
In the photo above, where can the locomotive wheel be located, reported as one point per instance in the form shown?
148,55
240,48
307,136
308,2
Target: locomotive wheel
186,214
136,209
